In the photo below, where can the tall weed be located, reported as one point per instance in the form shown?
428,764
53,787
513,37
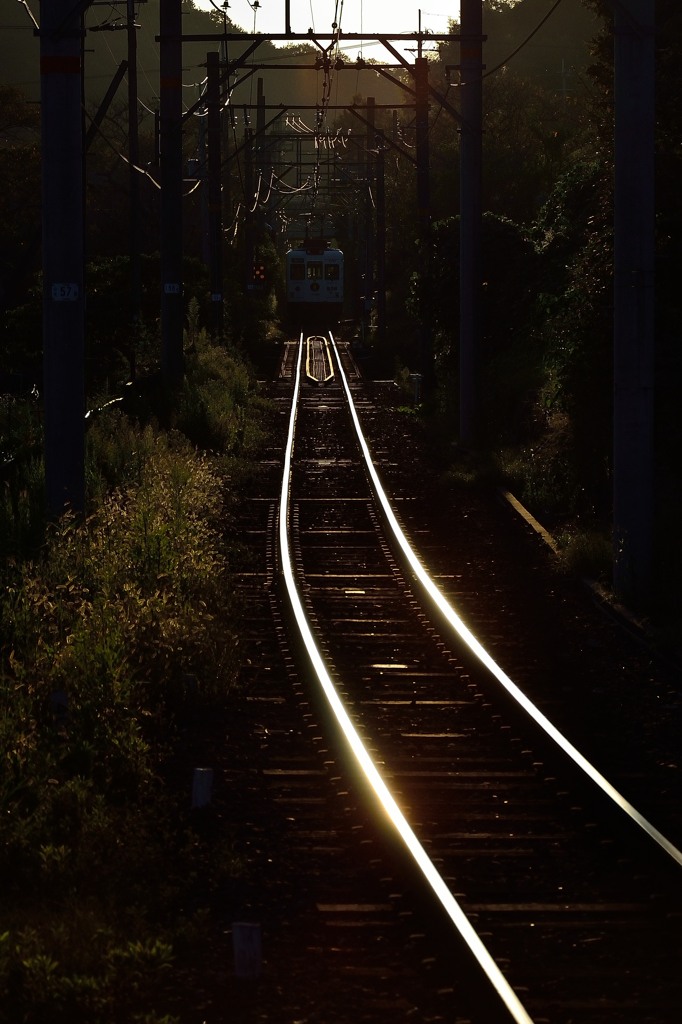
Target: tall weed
98,638
109,625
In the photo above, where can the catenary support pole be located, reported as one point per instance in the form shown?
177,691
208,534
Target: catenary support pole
61,75
134,174
634,320
170,166
421,88
215,197
370,201
250,209
471,106
381,248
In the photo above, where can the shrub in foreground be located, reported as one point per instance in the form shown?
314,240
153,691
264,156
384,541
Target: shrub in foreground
98,640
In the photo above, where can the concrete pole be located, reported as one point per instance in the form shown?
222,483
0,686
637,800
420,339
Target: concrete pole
370,144
61,76
470,160
134,179
215,196
634,312
170,164
381,248
249,213
421,88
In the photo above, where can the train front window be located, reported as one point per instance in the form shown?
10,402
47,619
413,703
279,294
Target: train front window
297,270
331,272
314,270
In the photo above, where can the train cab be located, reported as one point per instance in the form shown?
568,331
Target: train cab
314,273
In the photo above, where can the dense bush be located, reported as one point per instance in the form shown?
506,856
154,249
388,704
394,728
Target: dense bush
508,357
108,636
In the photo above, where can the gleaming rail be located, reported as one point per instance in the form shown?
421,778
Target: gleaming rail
318,360
358,736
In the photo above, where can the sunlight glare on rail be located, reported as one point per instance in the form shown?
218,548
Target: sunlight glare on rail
371,773
316,356
477,648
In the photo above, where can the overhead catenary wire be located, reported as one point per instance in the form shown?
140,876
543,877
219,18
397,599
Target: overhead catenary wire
324,139
286,189
256,193
24,4
141,170
524,43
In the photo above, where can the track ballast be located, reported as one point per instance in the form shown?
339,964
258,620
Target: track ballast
576,919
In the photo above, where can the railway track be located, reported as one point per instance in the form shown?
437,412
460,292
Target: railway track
532,897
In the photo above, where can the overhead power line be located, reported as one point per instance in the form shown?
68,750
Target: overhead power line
24,3
524,43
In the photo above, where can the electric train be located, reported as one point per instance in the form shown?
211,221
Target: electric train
314,281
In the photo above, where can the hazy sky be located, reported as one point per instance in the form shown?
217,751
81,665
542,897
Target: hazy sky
355,15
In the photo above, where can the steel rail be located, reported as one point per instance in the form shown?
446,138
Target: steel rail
439,887
325,358
474,645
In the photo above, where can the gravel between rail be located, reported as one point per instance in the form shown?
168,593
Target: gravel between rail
593,678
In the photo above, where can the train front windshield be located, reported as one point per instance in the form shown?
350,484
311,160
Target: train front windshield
314,270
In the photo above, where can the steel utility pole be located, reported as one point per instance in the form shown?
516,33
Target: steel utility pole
634,312
170,163
61,76
470,160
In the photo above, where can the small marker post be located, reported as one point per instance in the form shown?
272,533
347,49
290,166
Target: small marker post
246,942
202,785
